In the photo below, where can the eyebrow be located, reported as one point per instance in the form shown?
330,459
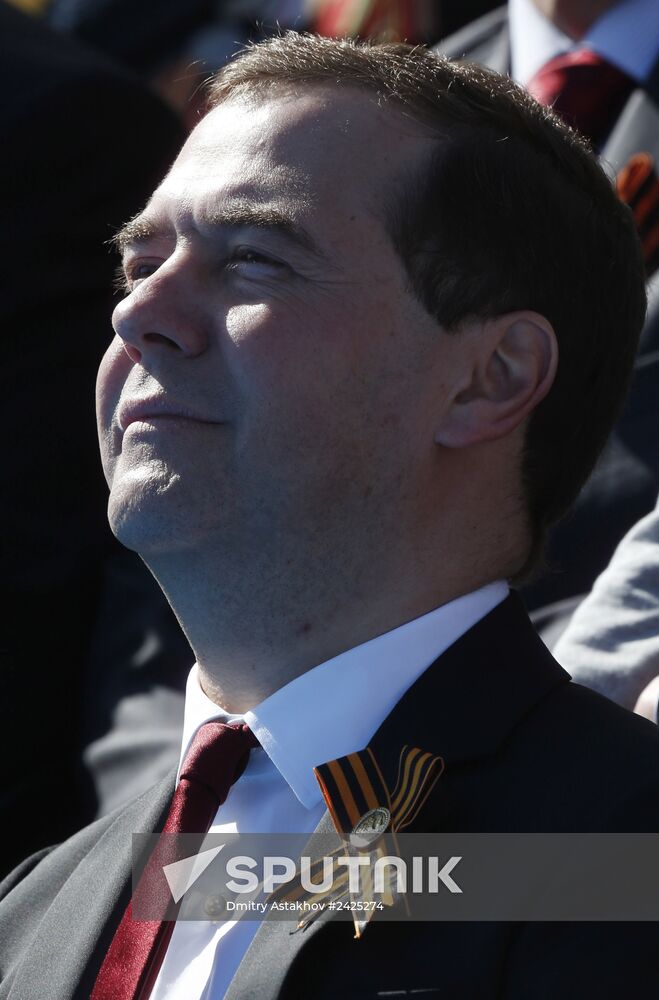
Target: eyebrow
141,229
137,230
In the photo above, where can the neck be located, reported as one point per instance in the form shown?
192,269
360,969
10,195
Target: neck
273,614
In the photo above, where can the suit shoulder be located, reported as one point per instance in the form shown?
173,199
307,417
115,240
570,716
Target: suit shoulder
29,890
588,715
597,764
87,873
473,36
53,865
39,878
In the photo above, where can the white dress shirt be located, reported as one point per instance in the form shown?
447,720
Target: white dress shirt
326,713
627,36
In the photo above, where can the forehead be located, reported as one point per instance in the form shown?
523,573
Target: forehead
334,149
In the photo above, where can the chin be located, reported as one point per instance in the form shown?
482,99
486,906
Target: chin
136,531
146,518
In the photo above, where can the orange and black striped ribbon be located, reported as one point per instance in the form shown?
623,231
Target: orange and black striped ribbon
638,186
354,785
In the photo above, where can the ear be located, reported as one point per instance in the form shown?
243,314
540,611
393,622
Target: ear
512,362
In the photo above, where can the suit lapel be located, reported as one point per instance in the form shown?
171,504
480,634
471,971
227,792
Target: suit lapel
277,943
496,52
485,41
462,708
636,130
67,943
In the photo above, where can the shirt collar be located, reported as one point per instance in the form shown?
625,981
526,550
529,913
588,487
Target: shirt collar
534,40
335,708
627,35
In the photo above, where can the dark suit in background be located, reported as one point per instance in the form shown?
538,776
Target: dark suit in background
625,482
524,749
66,113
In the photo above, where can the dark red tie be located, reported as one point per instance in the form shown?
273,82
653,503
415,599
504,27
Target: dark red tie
217,757
584,89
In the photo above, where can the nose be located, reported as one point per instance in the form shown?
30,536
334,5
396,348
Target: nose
162,317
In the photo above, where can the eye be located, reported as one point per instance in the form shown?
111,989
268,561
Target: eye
252,263
136,271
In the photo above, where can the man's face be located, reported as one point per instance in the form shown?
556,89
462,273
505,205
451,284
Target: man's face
272,375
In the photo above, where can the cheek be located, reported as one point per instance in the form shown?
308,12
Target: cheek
112,374
290,347
266,350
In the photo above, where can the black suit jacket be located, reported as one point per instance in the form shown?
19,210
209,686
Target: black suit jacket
524,750
624,486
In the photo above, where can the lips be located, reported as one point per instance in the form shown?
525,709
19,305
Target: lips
132,410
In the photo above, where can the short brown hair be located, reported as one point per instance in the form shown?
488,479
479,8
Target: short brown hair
512,212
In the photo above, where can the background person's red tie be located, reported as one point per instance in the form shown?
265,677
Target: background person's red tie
216,758
584,89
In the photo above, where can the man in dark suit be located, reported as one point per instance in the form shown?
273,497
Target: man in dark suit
65,110
522,39
334,422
